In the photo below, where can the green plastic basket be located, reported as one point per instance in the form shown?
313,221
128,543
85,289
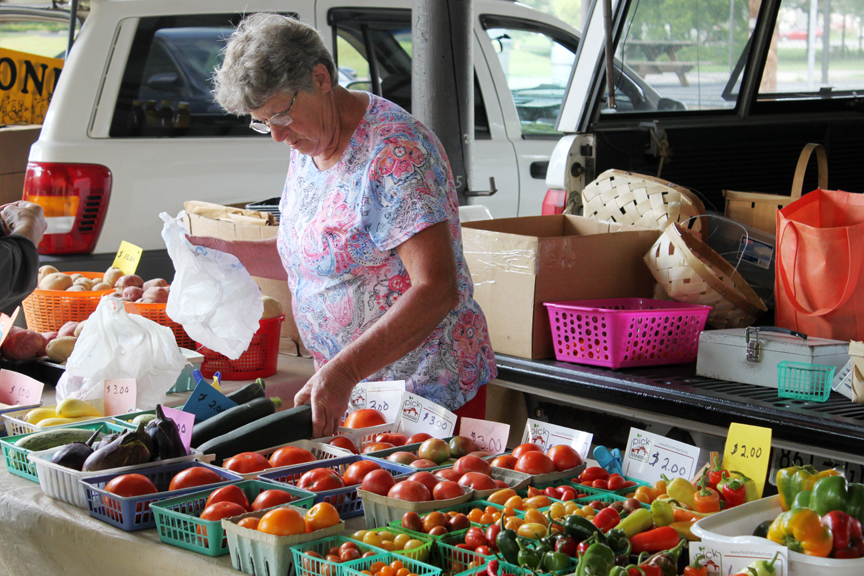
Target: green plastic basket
310,566
16,458
472,571
804,381
621,491
356,567
421,553
178,523
453,559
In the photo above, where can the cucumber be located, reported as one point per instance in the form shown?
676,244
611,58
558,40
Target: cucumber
273,430
52,438
248,393
232,419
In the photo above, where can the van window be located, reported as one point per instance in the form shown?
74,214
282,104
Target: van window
166,86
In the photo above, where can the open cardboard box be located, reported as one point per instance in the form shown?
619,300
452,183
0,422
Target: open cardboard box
229,223
517,264
15,142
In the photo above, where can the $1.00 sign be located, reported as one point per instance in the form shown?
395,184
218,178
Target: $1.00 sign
650,456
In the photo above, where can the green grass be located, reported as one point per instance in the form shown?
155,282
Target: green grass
49,45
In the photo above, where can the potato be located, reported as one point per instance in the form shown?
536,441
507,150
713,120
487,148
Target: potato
23,345
272,307
130,280
79,328
68,329
112,275
155,283
155,295
45,270
85,282
61,348
55,281
75,277
77,288
133,292
101,286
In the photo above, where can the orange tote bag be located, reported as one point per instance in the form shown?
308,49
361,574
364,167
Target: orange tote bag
819,284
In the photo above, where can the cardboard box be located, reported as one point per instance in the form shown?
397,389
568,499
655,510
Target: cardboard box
15,142
228,223
519,263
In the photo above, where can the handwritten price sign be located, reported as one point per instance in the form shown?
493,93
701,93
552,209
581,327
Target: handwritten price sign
127,257
119,396
649,456
386,397
547,435
420,415
206,402
17,389
748,450
184,420
489,436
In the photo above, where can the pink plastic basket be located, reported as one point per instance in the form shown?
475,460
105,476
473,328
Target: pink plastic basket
626,332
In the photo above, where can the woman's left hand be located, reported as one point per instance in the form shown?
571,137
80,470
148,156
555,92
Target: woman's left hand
328,391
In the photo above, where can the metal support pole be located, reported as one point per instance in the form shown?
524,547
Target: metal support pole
442,89
73,19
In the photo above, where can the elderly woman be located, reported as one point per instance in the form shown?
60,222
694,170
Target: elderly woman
369,236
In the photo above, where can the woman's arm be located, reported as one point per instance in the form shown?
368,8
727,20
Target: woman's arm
434,292
259,257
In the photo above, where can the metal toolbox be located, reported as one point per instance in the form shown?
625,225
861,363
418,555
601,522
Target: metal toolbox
751,355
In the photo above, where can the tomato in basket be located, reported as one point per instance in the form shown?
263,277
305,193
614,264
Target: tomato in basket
282,522
195,476
129,485
320,516
364,418
290,455
232,493
246,462
320,479
355,473
217,511
270,498
344,443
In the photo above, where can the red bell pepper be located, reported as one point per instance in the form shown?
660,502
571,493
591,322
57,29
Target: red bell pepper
655,540
846,532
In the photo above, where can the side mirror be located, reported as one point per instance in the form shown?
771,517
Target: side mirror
164,82
670,104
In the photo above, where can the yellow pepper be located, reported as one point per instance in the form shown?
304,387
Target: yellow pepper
501,496
531,530
534,516
683,491
801,530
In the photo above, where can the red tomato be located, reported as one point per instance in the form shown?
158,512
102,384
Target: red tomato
593,473
426,478
194,476
345,443
355,472
528,447
478,481
448,474
128,485
564,457
246,462
600,483
378,482
501,483
220,510
446,489
270,498
320,479
565,494
615,482
410,491
364,418
422,463
419,437
231,493
534,462
375,446
467,464
507,461
290,455
394,438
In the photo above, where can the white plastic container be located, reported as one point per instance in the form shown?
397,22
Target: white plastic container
736,524
64,484
15,424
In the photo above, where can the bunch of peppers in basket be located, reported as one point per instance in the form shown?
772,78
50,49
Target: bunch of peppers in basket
719,489
600,560
822,513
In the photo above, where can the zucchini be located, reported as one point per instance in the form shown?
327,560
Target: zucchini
273,430
248,393
232,419
53,438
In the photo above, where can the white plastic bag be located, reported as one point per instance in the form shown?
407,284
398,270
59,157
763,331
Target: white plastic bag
212,296
116,344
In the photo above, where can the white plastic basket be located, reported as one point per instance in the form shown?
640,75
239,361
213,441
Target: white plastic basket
64,484
736,524
15,424
12,409
319,450
380,510
366,434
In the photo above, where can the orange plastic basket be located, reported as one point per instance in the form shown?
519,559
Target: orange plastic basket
156,313
49,310
258,361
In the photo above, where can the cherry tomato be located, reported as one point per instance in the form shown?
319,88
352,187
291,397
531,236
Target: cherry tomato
600,483
593,473
364,418
615,482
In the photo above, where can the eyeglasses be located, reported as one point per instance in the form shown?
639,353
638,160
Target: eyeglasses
281,119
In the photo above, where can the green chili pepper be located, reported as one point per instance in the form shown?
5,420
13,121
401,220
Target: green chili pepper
506,541
618,541
598,560
555,561
527,556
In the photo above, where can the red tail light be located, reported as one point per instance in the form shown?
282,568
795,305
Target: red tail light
74,198
554,202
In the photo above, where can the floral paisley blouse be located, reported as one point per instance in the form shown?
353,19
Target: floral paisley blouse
338,234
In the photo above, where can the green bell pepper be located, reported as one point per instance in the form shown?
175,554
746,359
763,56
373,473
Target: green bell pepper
555,561
527,556
802,500
835,493
795,479
598,560
763,567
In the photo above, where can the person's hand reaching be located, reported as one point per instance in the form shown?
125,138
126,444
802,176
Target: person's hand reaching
328,392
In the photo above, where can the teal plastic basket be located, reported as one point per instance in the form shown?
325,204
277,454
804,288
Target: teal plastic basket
310,566
178,522
804,381
420,553
454,560
356,567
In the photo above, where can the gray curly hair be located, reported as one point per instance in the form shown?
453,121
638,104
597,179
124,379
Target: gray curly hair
268,54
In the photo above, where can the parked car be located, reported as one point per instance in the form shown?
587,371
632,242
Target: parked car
104,173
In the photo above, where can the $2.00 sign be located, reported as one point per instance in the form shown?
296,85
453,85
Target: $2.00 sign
649,456
748,450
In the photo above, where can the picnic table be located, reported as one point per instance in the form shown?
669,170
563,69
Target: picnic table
652,51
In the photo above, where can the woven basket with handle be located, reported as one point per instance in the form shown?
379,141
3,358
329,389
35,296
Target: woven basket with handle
690,271
760,210
630,198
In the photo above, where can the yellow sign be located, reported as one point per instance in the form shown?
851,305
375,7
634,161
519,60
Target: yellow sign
27,83
748,450
127,257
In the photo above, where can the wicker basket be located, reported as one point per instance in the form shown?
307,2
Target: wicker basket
49,310
630,198
690,271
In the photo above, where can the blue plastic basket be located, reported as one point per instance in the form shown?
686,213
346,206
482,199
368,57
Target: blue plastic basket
345,500
133,513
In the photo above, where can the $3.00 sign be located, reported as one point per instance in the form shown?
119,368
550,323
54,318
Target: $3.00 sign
748,450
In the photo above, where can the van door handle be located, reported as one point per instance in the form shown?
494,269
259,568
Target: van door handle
492,190
538,170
